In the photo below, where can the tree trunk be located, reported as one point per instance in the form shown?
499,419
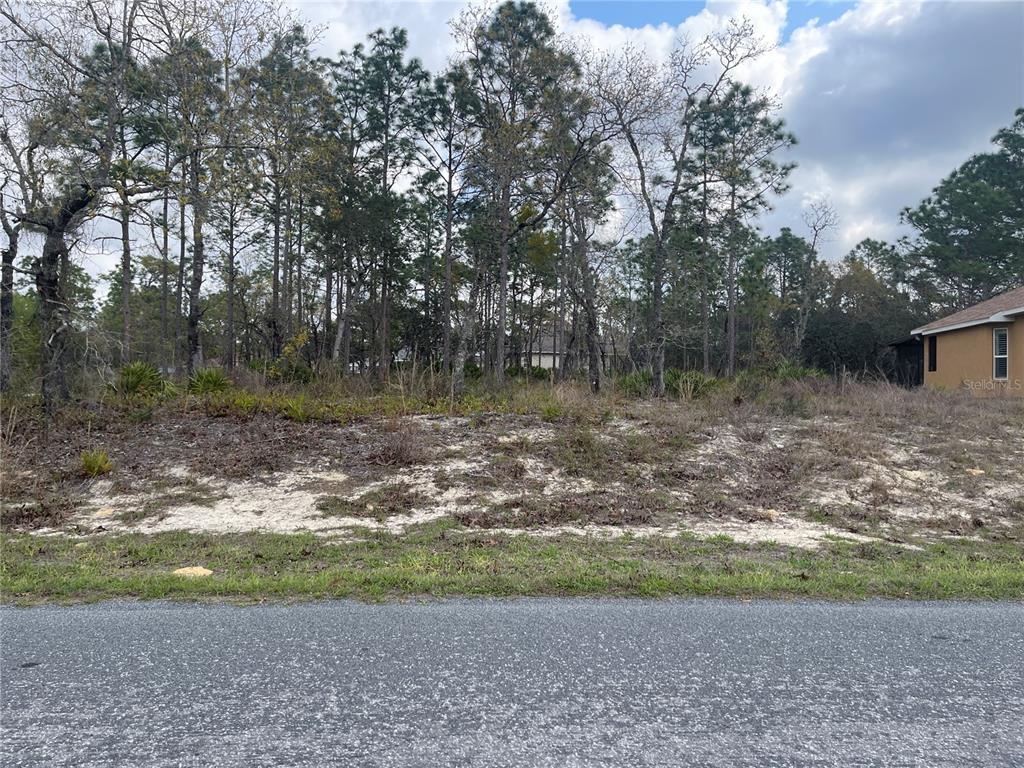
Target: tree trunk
165,253
275,291
126,258
126,280
286,286
657,320
730,310
328,298
384,353
229,337
180,288
705,321
346,328
589,306
54,321
705,293
195,351
504,237
51,272
298,266
339,309
10,254
446,301
467,331
343,336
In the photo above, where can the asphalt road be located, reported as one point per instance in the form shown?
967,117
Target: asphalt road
514,683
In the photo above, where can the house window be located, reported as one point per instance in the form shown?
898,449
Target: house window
1000,354
932,348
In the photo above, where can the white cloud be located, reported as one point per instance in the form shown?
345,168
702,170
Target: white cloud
891,97
885,100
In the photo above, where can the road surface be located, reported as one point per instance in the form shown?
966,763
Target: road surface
514,683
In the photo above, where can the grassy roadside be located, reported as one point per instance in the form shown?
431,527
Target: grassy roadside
442,560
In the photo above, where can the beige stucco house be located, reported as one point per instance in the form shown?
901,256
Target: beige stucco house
980,348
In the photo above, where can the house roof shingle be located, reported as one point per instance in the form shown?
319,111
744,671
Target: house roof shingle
996,309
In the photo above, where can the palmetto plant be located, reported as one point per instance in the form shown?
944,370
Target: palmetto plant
139,379
208,381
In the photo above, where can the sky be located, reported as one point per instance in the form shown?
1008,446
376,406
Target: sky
885,98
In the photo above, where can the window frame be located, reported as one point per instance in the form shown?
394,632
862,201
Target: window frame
997,357
933,349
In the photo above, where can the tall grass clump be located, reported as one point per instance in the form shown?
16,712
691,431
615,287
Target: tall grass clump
139,379
639,383
95,463
208,381
691,385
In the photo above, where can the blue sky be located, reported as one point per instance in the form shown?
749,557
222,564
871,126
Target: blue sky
637,13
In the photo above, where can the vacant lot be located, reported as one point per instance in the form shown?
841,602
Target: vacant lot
538,490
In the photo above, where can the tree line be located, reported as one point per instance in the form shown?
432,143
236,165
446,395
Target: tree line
533,201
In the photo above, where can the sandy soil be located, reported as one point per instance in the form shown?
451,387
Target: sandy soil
796,482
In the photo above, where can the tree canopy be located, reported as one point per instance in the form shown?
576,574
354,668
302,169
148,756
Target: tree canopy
533,202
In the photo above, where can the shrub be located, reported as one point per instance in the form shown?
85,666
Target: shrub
552,413
288,371
579,451
638,383
208,381
533,373
471,370
139,379
296,409
291,367
140,415
754,382
400,445
688,384
691,385
236,402
790,371
95,463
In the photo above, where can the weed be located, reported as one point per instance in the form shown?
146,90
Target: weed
583,508
95,463
296,409
579,451
879,494
846,443
140,415
552,413
378,504
139,379
208,381
639,383
691,385
399,446
752,434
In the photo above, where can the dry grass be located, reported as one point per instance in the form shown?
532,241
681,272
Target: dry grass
875,460
568,509
378,504
399,444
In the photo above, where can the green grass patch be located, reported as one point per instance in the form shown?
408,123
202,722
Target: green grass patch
441,559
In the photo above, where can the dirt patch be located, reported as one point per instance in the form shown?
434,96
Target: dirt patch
749,472
580,509
378,504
